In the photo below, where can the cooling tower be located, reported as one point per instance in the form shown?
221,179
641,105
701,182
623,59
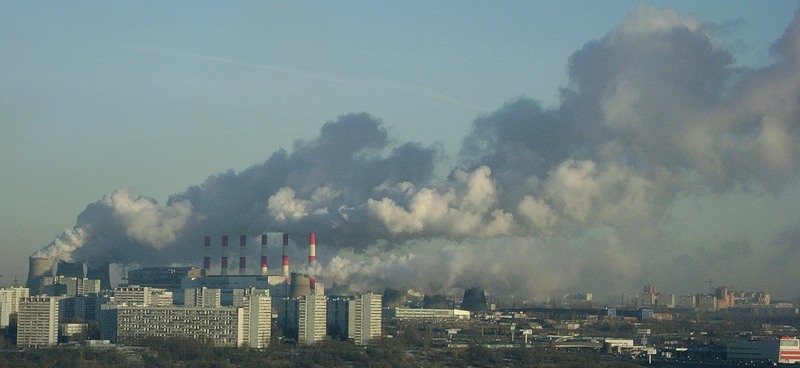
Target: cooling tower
474,300
301,285
70,269
38,267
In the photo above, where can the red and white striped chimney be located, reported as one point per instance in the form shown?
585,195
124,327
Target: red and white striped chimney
312,249
242,256
286,257
263,254
224,266
312,258
207,255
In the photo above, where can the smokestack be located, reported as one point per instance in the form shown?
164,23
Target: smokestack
206,255
312,249
242,257
312,258
224,256
263,254
286,257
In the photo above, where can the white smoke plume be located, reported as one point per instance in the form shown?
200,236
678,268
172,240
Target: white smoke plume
568,198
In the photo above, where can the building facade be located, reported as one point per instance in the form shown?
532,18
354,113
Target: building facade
247,326
37,322
364,319
9,302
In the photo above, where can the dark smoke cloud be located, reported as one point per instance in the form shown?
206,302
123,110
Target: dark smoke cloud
571,197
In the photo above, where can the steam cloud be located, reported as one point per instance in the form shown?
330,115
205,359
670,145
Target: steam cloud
543,200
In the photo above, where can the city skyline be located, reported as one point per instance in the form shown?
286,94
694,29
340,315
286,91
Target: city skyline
435,146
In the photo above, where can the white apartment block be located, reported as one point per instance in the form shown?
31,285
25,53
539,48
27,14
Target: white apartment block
9,302
247,326
37,322
364,318
142,296
311,318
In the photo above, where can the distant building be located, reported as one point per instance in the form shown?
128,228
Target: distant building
9,302
202,297
136,295
687,301
162,277
37,322
424,313
70,286
81,307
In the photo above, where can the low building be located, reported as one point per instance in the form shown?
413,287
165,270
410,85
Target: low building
426,313
785,350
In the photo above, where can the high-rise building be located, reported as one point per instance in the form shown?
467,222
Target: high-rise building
257,308
311,318
364,319
37,322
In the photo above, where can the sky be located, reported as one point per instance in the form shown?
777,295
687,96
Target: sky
534,148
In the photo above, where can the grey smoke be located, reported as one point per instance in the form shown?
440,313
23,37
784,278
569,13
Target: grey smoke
544,199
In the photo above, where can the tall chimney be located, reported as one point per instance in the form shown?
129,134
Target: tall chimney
312,249
207,255
224,256
263,254
312,257
242,257
286,257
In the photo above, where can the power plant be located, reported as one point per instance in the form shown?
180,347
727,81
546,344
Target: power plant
41,268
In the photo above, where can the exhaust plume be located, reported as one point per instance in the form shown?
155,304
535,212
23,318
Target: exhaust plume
577,196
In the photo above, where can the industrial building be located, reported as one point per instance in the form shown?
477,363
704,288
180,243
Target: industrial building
785,350
426,313
37,322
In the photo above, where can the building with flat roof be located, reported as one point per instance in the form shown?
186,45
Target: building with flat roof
426,313
142,296
9,302
364,318
246,326
780,351
37,322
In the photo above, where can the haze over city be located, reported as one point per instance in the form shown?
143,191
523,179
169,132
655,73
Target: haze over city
525,148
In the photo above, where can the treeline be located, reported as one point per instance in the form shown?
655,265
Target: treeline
387,353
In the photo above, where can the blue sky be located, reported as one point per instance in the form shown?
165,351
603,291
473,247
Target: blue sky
155,97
